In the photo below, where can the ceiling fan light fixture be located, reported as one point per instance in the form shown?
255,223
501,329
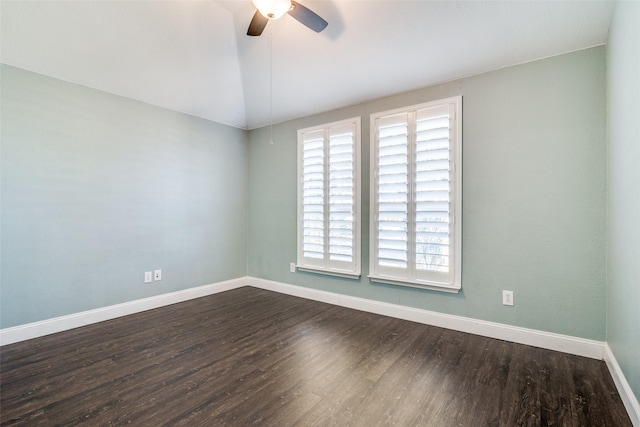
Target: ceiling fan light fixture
272,9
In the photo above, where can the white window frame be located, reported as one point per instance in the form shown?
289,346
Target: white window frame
327,265
449,281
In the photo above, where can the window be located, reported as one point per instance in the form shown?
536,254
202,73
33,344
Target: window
329,198
416,195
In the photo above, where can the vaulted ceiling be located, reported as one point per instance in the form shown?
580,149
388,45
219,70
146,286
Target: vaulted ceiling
194,56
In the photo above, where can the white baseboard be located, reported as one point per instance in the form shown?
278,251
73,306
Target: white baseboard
624,389
76,320
548,340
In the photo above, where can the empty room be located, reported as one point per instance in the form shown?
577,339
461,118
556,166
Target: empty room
333,212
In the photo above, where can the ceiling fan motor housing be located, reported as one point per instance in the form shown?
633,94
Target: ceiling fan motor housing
272,9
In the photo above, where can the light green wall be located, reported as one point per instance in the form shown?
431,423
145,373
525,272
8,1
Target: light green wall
623,216
96,189
533,204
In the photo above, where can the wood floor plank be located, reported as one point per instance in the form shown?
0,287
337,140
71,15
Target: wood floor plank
254,357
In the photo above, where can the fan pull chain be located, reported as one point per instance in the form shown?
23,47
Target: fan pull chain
271,87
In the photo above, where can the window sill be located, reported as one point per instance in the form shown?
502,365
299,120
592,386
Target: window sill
433,286
345,275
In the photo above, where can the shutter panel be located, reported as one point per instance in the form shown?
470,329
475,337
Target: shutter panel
313,195
432,190
392,192
341,193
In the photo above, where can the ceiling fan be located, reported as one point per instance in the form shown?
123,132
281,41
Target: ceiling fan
274,9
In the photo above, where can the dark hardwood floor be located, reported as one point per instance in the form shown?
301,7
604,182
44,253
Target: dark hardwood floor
253,357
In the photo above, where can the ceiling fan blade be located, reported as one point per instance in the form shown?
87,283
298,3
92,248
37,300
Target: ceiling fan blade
307,17
258,22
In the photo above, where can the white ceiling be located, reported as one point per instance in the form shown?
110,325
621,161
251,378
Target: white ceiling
194,56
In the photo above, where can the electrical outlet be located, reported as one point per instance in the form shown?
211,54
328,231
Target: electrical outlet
157,274
292,267
148,277
507,297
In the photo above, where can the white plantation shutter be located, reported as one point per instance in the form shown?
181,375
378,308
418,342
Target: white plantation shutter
432,183
328,200
342,163
393,192
313,197
416,195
